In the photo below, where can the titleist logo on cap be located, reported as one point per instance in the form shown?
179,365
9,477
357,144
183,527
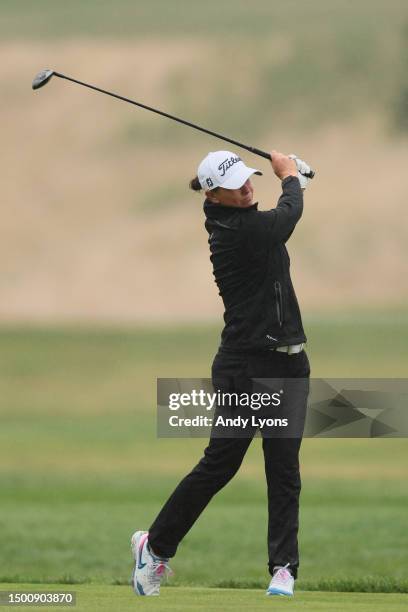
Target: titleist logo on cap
227,163
223,169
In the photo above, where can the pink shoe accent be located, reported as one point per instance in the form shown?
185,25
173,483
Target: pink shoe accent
142,542
283,574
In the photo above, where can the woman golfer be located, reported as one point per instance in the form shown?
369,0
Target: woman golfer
263,338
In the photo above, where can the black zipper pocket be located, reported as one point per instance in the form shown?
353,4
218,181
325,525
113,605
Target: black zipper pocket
279,302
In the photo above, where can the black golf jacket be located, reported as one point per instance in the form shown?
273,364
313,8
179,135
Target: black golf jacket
251,269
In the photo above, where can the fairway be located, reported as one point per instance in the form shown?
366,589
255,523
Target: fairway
82,468
185,599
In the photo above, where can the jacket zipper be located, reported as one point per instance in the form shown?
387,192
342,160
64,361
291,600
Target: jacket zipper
279,302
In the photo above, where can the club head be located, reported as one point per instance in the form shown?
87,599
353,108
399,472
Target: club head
42,78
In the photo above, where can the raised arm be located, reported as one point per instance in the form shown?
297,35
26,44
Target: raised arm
290,204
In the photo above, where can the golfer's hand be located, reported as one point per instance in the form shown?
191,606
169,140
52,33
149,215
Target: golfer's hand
283,165
303,169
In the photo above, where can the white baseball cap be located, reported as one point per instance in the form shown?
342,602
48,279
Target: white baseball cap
223,169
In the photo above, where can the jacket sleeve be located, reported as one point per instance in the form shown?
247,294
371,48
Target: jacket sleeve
288,210
277,225
264,227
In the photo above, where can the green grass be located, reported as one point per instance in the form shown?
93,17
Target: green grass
81,467
352,537
233,19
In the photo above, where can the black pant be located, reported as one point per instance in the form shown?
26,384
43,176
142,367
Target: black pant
223,457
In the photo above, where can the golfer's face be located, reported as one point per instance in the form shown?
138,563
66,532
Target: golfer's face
241,197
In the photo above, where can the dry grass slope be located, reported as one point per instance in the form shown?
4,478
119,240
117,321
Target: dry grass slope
97,220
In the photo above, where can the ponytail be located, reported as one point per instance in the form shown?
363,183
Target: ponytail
194,184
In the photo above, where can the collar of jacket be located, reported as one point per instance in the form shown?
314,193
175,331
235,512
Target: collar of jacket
217,210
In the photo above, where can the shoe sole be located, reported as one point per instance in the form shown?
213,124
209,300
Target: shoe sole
279,592
135,546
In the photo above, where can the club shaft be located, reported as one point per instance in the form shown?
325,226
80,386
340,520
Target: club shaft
159,112
155,110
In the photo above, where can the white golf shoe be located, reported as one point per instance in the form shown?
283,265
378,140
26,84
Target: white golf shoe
282,582
149,569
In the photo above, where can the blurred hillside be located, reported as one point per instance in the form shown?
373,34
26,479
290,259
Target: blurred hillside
97,219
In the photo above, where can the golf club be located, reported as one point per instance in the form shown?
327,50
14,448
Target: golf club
44,76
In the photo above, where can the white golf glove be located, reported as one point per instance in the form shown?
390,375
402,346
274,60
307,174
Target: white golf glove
303,169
